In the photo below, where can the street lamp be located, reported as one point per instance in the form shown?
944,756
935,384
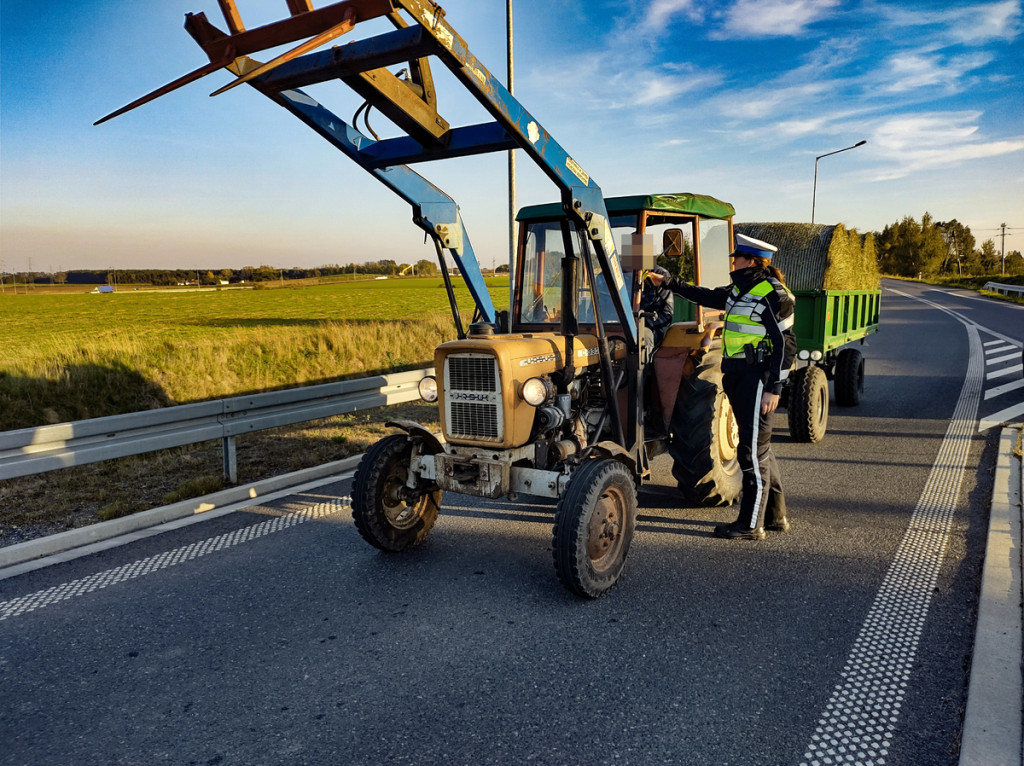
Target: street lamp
814,196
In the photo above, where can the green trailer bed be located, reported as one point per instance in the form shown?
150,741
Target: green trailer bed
828,319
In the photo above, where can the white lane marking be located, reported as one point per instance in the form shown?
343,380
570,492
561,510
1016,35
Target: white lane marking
1000,359
860,718
969,297
130,571
1004,372
1004,389
1008,415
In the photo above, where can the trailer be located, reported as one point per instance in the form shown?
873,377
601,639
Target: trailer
833,275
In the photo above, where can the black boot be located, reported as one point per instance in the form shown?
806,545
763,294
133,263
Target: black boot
775,513
738,531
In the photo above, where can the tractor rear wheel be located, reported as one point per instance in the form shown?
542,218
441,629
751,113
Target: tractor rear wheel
387,513
705,436
594,524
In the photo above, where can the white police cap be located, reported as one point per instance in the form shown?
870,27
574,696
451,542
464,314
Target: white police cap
751,247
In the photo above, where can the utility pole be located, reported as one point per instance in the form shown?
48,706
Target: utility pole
1002,254
511,175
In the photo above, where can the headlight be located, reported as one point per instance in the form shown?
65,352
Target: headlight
536,391
803,354
428,388
816,355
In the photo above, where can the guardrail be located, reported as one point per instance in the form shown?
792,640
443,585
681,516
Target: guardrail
1002,289
29,451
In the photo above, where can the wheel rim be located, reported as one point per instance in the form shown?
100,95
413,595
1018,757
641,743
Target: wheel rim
822,402
607,523
728,432
399,514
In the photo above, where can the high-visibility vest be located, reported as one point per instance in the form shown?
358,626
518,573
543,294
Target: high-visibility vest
743,325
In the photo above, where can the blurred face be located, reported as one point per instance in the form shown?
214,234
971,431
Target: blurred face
741,262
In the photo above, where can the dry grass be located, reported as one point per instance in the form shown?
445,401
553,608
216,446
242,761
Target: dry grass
128,372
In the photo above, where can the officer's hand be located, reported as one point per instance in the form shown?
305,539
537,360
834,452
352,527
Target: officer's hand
656,278
769,402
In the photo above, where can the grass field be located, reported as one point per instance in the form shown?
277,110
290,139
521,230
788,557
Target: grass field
75,356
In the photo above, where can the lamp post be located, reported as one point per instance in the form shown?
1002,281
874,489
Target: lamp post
814,196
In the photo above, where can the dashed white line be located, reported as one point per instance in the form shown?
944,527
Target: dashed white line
32,601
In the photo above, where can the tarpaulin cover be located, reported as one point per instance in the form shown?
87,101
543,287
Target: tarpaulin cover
692,204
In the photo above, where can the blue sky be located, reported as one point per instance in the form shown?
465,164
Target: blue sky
733,99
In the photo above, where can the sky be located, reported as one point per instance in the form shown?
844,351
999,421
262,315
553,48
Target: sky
734,99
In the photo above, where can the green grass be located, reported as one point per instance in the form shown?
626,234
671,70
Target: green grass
71,357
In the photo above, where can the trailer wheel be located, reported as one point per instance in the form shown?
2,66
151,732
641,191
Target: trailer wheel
808,405
849,377
705,436
594,524
385,513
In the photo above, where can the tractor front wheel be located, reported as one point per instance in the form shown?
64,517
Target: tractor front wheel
594,524
388,514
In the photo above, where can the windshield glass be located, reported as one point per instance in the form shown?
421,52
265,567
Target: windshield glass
714,252
541,289
540,294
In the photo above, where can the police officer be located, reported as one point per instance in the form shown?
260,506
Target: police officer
758,349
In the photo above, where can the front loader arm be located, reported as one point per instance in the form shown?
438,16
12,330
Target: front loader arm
411,105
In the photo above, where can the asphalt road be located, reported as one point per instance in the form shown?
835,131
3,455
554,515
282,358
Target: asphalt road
275,635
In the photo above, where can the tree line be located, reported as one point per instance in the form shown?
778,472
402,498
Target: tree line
907,248
933,248
203,277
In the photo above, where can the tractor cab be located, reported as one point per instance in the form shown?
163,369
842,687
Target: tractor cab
689,234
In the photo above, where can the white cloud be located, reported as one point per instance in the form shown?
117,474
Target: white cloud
774,18
982,23
914,70
933,140
971,24
661,12
767,102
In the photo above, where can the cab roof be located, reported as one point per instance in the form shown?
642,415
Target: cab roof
694,204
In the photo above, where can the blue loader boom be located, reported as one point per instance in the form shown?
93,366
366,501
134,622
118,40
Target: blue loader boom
421,32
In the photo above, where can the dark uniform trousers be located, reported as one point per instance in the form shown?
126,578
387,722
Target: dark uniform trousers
761,501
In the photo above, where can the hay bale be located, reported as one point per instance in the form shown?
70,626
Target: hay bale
819,256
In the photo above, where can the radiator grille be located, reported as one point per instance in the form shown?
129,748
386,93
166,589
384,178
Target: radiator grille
472,397
472,373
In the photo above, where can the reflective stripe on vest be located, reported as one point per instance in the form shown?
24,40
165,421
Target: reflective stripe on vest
743,319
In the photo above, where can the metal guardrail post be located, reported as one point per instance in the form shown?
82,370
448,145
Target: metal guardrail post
230,454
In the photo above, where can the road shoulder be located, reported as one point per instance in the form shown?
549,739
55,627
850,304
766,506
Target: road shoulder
992,731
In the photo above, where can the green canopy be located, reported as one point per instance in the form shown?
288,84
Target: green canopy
693,204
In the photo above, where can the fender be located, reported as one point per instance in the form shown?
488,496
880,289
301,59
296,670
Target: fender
416,431
612,450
